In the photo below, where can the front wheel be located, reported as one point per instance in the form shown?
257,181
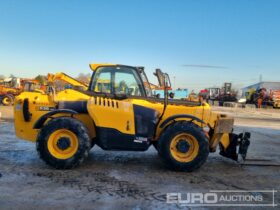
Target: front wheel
183,146
63,143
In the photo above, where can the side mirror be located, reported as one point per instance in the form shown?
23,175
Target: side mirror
171,95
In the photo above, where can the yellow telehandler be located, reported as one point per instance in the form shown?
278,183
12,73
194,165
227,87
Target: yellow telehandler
120,113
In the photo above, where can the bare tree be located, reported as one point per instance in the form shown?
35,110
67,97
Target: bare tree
41,79
84,78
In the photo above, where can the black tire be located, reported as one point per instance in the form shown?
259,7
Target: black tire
76,127
175,129
92,143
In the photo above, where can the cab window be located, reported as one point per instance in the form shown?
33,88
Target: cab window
127,83
118,80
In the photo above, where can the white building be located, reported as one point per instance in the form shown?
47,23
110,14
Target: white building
269,86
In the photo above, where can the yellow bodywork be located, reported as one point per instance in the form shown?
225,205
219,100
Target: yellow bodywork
5,90
38,101
95,66
115,114
105,112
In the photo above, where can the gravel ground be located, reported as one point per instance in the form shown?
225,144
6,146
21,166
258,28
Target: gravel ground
129,180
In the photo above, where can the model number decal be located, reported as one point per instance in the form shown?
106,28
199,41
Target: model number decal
45,108
139,139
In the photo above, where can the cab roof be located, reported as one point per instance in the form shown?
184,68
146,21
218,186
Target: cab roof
94,66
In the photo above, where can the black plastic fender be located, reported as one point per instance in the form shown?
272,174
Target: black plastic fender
169,119
25,110
39,123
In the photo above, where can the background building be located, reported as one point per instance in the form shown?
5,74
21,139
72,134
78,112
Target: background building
269,86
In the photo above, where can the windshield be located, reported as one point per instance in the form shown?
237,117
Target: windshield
29,86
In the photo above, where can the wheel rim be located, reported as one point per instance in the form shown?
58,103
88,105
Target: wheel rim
63,144
184,147
6,101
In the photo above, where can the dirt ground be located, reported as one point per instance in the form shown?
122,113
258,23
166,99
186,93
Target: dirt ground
132,180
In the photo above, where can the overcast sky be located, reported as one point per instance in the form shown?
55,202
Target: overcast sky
200,43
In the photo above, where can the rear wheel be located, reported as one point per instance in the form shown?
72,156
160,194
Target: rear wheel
63,143
183,146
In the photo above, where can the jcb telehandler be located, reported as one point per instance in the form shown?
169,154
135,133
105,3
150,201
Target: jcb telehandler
122,115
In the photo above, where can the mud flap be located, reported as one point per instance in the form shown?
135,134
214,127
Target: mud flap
242,141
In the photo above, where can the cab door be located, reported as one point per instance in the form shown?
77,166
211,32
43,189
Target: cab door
111,111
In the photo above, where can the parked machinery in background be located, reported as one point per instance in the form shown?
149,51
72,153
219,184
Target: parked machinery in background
221,95
213,95
227,94
194,97
32,85
11,87
158,90
275,96
263,98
